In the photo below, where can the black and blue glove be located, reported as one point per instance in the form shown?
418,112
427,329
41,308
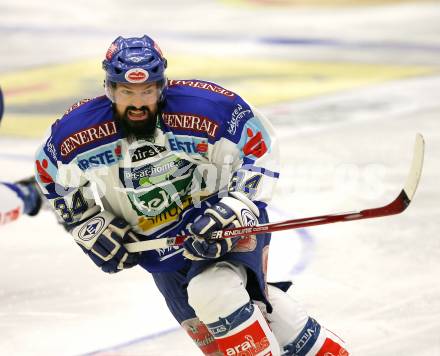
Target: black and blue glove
30,194
228,212
102,238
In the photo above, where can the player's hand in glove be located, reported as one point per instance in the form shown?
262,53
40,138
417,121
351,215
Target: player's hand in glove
228,212
30,194
102,238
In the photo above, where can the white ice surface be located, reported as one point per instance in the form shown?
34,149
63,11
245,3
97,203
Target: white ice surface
373,282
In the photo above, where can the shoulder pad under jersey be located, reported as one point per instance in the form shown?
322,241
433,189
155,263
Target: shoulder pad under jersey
203,109
85,125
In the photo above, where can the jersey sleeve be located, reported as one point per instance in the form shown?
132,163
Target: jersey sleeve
64,185
249,147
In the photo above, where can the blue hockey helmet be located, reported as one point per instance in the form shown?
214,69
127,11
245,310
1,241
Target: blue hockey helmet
134,60
1,104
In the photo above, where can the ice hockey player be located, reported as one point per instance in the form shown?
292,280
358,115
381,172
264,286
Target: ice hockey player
178,156
17,198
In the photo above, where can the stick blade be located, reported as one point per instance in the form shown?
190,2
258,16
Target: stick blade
412,181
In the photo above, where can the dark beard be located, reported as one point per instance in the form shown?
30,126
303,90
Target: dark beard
136,129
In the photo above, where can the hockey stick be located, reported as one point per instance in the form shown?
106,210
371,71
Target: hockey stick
397,206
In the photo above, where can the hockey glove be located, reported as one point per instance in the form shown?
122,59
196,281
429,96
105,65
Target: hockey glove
228,212
102,238
28,191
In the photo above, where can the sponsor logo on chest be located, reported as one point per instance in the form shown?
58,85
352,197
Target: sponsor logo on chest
151,174
192,123
87,136
101,158
150,171
154,188
189,146
145,152
147,223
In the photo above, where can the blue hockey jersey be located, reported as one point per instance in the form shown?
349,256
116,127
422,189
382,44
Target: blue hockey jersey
208,140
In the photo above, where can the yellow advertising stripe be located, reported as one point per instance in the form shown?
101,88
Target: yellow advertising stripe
30,126
250,77
44,84
265,82
261,81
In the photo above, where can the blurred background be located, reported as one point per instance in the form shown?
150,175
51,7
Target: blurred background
347,84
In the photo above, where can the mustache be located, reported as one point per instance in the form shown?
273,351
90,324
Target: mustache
142,108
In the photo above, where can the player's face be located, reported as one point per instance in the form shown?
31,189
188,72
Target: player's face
136,102
136,107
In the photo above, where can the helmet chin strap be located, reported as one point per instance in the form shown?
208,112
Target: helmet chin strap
162,91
